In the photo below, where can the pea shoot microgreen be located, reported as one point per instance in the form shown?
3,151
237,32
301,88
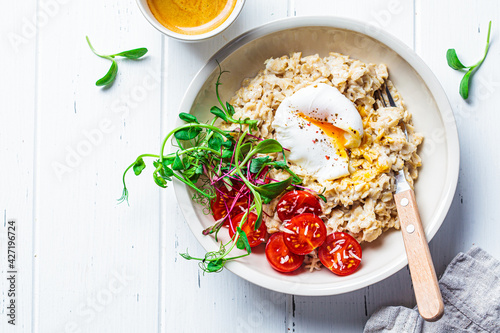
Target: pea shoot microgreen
209,158
455,63
110,76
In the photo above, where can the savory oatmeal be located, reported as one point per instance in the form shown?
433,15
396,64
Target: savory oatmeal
360,203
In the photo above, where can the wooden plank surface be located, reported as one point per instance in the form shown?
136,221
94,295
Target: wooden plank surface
472,219
88,265
98,262
17,151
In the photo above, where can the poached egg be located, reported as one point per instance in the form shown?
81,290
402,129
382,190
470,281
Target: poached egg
316,124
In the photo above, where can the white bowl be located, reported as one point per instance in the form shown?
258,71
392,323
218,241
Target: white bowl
424,97
146,11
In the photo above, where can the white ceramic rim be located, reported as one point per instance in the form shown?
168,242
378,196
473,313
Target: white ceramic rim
402,50
143,6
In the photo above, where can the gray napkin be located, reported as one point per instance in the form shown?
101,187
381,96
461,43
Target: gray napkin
471,293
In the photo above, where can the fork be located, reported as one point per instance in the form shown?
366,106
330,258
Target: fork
425,284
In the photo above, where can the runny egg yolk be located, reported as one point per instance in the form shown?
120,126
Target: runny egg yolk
317,124
336,134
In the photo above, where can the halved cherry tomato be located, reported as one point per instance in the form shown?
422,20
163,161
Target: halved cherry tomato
297,202
227,197
340,253
279,256
303,233
255,237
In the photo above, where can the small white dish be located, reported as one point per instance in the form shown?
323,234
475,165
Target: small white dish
146,11
425,98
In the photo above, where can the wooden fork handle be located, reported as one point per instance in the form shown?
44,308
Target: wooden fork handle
425,284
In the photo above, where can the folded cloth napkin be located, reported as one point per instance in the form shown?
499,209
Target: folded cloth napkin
471,293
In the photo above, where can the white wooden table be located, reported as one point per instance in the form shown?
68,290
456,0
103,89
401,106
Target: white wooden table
85,264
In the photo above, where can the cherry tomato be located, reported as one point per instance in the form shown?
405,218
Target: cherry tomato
297,202
279,256
304,233
255,237
340,253
225,198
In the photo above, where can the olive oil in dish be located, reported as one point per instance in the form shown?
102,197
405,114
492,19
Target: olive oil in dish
191,17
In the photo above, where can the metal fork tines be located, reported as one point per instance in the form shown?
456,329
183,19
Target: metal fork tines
392,104
401,182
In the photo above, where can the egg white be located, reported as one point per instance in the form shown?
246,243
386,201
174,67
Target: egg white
316,124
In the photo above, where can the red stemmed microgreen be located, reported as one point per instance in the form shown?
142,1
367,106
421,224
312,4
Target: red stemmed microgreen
208,158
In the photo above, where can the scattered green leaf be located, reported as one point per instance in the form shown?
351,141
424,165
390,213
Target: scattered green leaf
228,143
110,76
242,242
268,146
215,266
258,163
230,109
215,142
455,63
272,190
139,166
167,172
159,180
216,111
168,160
188,118
178,165
188,133
132,54
464,85
227,153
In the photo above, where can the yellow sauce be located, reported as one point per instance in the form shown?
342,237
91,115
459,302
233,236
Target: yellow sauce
336,134
191,17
